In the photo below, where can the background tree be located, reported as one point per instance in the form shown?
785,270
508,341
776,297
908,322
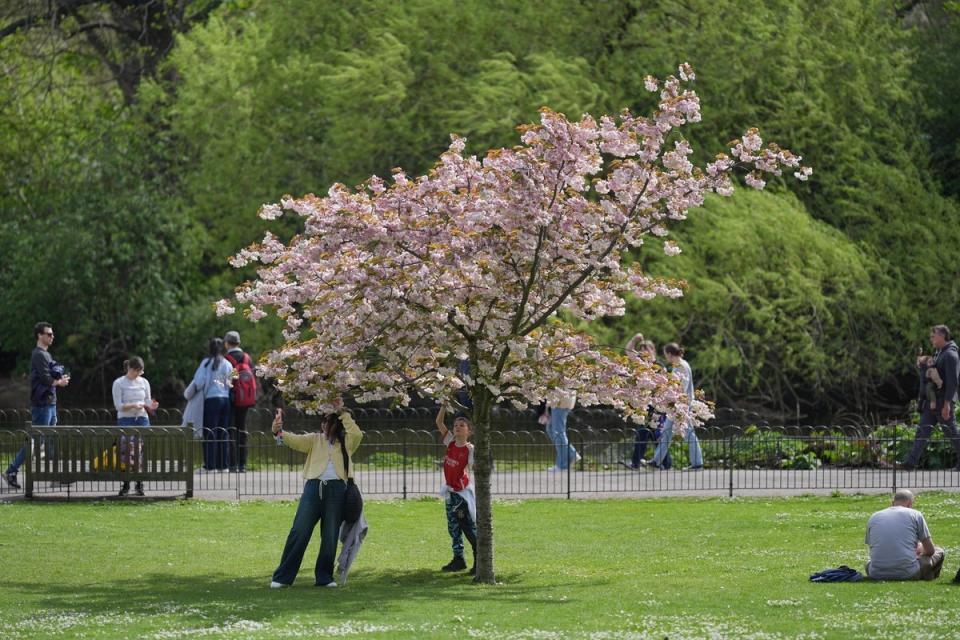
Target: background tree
390,286
129,39
229,110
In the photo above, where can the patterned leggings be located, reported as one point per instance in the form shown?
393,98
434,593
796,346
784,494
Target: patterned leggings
459,523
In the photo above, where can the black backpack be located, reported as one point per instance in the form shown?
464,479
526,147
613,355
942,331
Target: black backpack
352,500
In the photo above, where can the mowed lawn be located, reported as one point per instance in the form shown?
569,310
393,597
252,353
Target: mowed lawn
670,568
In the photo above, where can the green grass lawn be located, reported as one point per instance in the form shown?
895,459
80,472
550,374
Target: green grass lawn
672,568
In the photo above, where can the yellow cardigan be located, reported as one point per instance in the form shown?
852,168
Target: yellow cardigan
315,446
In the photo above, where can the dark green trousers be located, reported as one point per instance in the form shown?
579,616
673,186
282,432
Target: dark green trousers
321,502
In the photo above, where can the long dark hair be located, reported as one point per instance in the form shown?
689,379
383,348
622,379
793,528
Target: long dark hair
334,429
215,353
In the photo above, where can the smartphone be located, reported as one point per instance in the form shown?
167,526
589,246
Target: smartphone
278,436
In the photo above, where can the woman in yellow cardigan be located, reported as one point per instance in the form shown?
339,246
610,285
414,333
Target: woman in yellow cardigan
322,499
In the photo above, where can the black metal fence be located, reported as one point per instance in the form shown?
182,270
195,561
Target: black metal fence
401,455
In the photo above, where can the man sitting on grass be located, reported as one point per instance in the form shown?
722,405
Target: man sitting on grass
900,543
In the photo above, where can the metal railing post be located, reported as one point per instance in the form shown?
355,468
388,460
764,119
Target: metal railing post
894,464
403,462
730,462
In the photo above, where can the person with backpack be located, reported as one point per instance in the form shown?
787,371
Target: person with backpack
243,395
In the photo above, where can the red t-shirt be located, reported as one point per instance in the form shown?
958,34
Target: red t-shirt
455,464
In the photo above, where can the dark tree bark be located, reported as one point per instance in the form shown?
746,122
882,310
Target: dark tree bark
130,38
483,468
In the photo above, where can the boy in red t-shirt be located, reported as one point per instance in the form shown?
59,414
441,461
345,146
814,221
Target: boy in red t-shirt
457,491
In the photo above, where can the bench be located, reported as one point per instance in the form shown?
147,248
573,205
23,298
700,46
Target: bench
69,454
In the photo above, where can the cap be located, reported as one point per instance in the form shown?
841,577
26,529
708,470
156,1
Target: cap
232,337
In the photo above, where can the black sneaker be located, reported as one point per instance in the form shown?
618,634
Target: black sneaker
11,479
124,489
457,564
138,489
956,578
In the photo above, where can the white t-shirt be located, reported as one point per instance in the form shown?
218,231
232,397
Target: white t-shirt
892,535
330,473
127,391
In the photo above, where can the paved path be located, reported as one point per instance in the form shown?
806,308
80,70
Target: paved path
614,483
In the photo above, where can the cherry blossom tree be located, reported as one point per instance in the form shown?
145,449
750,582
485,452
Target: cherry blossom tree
391,285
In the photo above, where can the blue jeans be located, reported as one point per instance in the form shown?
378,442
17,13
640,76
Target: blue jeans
45,416
216,435
663,447
557,432
641,438
321,502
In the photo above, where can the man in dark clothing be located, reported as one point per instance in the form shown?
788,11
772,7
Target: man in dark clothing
947,362
45,376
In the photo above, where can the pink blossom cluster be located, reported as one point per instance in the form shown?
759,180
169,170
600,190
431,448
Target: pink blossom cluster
390,285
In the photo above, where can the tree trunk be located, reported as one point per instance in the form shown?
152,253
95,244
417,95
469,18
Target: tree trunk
483,468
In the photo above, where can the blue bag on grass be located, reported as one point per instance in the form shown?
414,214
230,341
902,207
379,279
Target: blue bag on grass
843,573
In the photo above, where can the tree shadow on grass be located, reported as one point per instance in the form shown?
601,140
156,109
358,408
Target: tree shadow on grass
214,598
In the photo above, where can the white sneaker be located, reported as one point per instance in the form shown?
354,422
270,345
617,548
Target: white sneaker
578,459
332,585
278,585
553,470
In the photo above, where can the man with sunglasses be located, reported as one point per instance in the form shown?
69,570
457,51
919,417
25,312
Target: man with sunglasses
45,376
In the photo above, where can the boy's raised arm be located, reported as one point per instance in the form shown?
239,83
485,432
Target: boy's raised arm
441,427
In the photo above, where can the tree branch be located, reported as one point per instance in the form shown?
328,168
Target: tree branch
590,269
59,9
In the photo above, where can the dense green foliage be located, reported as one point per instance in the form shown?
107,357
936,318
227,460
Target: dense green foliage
118,209
737,568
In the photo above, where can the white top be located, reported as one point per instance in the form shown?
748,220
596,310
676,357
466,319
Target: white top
127,391
330,473
562,399
893,535
683,371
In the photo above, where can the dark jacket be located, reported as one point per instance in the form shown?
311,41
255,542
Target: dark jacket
42,391
947,362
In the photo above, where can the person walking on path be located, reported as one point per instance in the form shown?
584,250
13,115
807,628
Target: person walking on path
243,395
900,544
653,429
213,379
560,407
133,400
674,355
942,412
45,376
322,501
